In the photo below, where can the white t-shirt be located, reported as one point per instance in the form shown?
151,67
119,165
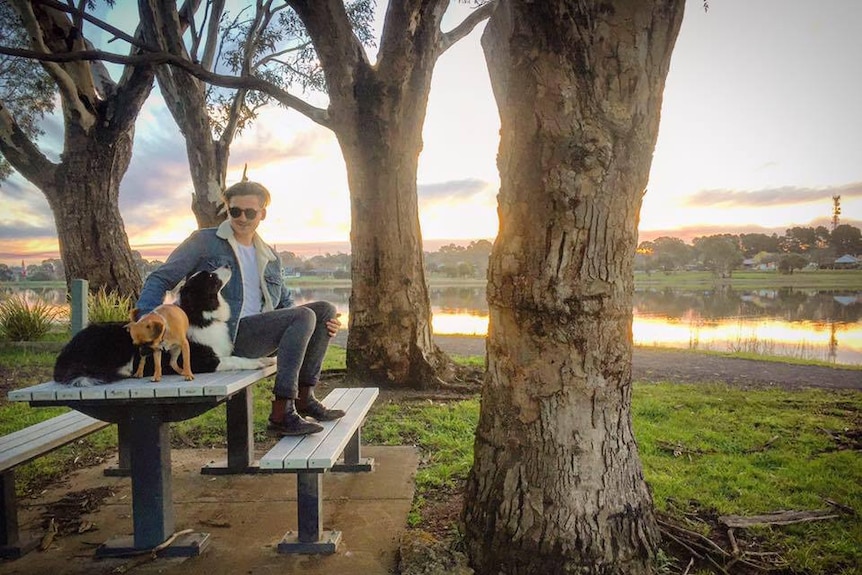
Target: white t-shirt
252,301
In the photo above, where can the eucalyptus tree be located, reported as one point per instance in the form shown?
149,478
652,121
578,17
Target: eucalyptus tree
556,485
377,111
99,113
719,253
264,40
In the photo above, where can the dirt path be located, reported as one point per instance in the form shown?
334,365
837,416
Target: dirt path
663,364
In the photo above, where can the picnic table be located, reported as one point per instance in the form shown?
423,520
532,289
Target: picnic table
143,411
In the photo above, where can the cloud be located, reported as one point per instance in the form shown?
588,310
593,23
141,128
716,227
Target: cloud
453,190
22,231
16,189
787,195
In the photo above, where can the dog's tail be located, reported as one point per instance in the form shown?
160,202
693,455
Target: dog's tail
85,381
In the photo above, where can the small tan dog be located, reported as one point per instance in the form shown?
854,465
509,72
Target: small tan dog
164,328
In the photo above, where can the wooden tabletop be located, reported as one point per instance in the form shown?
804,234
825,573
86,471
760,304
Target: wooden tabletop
218,384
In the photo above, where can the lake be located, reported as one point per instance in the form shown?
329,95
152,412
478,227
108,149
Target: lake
824,325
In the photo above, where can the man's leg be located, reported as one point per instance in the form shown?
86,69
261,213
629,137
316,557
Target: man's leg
286,332
309,374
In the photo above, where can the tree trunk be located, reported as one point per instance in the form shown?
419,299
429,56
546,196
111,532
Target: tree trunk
84,197
556,485
389,336
377,113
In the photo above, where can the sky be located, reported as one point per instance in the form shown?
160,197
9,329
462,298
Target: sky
761,126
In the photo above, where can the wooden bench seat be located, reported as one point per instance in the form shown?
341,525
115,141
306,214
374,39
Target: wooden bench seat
23,446
336,448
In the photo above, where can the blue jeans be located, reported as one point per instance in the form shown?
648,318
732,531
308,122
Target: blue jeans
297,335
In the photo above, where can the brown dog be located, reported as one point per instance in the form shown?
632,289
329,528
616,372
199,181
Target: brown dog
164,328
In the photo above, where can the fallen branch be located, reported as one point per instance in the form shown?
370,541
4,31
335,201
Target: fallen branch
840,506
147,555
678,449
733,543
765,446
777,518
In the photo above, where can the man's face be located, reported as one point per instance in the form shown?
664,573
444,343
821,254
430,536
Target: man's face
239,209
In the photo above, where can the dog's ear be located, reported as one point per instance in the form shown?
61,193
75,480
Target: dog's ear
128,326
157,330
173,296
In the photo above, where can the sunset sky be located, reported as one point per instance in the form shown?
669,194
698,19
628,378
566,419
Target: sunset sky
761,126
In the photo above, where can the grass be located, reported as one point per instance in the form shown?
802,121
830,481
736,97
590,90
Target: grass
740,452
737,452
822,279
21,320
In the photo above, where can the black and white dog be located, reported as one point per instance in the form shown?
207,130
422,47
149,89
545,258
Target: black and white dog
104,352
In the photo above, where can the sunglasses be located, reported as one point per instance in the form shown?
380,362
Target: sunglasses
250,213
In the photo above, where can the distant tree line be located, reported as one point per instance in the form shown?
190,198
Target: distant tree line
451,261
52,269
722,253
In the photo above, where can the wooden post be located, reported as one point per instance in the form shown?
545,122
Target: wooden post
79,314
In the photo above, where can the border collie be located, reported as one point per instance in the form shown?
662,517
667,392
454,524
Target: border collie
103,352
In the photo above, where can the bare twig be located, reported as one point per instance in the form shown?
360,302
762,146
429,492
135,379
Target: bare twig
765,446
679,449
840,506
147,555
777,518
733,544
696,536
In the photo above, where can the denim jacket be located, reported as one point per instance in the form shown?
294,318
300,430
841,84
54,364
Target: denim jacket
206,250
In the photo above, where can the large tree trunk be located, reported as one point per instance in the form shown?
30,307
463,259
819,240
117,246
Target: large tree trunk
389,337
377,113
556,485
84,197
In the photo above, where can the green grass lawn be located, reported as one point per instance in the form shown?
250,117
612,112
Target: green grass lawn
819,279
738,452
706,450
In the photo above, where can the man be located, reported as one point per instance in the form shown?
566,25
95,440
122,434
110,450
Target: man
264,320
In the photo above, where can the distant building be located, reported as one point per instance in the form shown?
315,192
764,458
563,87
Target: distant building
847,261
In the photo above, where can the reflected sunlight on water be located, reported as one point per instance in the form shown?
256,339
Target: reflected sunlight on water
459,322
841,343
826,331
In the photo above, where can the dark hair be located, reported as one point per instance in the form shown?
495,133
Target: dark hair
246,188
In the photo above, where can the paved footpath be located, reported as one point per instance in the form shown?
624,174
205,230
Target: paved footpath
655,364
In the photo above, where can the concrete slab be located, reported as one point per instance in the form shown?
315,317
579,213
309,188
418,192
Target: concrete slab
245,515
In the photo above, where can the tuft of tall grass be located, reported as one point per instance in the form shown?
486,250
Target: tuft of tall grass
105,305
21,320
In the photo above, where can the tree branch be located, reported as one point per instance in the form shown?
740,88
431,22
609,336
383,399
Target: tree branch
92,20
481,13
71,83
22,153
317,115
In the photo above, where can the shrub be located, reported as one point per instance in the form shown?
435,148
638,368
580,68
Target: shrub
105,306
23,321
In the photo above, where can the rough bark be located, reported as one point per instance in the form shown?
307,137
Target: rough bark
557,485
377,113
82,188
185,97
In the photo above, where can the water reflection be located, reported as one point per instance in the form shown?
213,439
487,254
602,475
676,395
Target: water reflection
810,324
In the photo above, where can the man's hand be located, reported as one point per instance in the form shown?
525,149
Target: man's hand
333,325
